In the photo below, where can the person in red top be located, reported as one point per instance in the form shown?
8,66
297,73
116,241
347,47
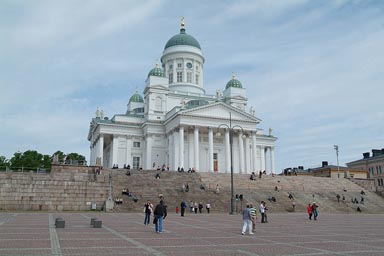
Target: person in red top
309,210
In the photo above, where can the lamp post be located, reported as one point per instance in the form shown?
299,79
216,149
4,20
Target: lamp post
336,147
230,128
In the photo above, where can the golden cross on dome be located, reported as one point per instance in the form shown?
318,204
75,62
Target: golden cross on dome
233,75
182,22
157,65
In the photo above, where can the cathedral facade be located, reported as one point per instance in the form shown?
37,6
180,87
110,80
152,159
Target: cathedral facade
176,124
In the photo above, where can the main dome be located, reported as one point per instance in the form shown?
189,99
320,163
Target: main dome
182,39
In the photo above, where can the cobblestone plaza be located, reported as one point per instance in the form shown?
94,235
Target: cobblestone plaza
29,233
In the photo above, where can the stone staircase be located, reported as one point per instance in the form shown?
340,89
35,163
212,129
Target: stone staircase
65,188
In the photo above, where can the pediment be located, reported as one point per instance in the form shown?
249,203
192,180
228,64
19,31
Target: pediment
220,110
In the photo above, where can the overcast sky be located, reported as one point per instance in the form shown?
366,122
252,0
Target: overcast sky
313,70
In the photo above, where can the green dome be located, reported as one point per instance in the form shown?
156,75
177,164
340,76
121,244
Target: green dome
156,71
182,39
136,98
233,83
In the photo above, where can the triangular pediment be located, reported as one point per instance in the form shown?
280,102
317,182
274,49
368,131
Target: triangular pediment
220,110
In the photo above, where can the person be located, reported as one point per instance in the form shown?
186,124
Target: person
314,210
200,207
338,198
247,223
253,216
265,212
309,211
196,207
262,211
160,213
358,209
191,206
183,205
157,176
217,189
208,207
186,187
148,208
293,205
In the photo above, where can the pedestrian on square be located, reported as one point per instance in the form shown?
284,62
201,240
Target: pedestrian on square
159,213
183,205
200,207
148,208
262,211
314,210
247,222
196,207
265,212
208,207
253,216
191,206
309,211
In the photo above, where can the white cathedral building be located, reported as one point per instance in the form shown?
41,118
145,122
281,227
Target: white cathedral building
178,125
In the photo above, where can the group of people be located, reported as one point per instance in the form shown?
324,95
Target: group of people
312,210
194,207
159,214
185,187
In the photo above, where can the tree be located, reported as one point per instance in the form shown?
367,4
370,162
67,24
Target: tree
30,159
3,162
76,157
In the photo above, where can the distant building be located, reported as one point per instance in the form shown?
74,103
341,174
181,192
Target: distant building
373,164
175,123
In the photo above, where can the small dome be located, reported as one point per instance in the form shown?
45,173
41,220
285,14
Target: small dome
136,98
233,83
156,71
182,39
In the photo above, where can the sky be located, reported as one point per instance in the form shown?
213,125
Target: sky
313,70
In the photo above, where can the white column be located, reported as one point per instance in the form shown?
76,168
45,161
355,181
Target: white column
210,150
262,158
190,150
114,152
128,158
241,152
227,152
171,154
254,153
174,71
176,145
91,156
101,149
181,146
272,160
148,152
196,138
247,155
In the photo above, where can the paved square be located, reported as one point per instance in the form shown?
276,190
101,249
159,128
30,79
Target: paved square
28,233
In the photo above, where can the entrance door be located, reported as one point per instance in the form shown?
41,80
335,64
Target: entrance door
215,162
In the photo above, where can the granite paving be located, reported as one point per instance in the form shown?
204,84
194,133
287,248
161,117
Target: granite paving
290,234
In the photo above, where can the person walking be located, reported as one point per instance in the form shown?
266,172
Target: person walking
200,207
314,210
208,207
148,208
160,213
183,205
253,216
191,206
309,211
247,222
196,207
262,212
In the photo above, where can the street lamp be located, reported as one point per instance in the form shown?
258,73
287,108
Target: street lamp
336,147
230,128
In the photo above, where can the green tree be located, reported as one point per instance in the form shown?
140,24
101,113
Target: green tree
76,157
60,154
30,159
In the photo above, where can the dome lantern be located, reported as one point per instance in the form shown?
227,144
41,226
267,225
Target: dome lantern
233,83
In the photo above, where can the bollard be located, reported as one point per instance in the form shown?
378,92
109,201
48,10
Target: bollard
60,223
97,223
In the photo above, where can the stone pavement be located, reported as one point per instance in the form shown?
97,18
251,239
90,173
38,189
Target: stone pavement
30,233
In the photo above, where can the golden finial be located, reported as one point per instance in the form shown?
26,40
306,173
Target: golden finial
137,90
157,65
233,75
182,22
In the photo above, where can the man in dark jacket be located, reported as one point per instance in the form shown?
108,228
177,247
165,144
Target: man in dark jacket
183,205
160,213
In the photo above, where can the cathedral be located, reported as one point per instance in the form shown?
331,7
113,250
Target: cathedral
175,123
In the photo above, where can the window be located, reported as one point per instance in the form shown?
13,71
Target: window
179,77
189,77
136,162
171,66
179,65
170,76
136,144
197,79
